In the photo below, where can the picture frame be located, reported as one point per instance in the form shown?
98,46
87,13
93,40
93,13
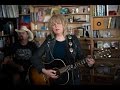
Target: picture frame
81,32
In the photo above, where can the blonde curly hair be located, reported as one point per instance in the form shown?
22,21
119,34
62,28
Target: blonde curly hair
57,18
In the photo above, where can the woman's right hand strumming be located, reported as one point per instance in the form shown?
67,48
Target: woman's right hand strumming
50,73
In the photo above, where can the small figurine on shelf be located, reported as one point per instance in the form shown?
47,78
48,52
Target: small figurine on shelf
25,9
87,34
86,31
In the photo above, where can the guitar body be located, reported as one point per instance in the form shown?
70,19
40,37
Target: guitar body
37,78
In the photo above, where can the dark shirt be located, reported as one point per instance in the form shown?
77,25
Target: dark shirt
22,53
59,50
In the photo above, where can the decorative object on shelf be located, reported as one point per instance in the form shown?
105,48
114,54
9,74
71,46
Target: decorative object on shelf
46,18
115,45
106,45
86,30
100,23
111,9
103,69
43,27
48,11
103,53
81,32
70,31
84,10
40,14
73,11
87,34
55,10
10,27
64,11
77,10
25,20
25,9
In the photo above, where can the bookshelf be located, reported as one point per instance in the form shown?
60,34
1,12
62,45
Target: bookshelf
8,22
106,42
24,16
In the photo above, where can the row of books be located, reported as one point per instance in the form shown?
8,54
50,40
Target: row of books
106,44
36,16
9,11
105,10
113,22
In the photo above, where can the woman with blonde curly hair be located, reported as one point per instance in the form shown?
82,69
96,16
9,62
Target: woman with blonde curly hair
61,52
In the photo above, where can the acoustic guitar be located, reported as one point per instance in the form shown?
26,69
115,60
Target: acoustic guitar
61,68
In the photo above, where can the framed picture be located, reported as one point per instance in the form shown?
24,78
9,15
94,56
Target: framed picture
81,32
100,44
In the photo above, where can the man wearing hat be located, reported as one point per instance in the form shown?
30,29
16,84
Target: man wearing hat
21,52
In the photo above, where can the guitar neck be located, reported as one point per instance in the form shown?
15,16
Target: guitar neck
73,66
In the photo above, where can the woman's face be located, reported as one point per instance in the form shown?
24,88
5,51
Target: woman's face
57,28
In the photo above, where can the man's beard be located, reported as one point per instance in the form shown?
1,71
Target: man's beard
21,38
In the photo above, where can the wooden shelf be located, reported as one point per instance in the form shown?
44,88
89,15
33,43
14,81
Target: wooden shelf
77,14
84,38
60,5
106,16
101,75
107,39
106,48
24,14
40,30
81,22
114,60
5,36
